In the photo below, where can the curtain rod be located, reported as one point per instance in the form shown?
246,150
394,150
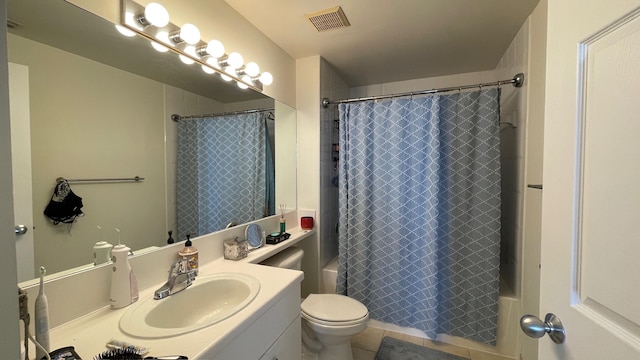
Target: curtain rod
176,117
517,81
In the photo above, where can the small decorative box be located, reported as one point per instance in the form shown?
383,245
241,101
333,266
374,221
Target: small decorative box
235,249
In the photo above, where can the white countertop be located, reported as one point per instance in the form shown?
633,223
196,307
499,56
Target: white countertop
89,333
259,254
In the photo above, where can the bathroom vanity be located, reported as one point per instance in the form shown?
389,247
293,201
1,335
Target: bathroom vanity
267,328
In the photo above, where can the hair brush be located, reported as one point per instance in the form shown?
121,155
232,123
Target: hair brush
131,354
119,354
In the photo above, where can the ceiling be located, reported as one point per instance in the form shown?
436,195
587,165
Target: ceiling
394,40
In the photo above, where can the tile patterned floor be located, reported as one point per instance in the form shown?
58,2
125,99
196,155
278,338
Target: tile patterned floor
365,345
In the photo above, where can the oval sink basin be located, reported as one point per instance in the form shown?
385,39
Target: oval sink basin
211,299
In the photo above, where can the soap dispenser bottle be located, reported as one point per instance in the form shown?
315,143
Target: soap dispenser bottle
124,286
190,254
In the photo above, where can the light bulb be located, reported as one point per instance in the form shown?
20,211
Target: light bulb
156,15
246,79
215,48
159,47
235,60
213,62
191,50
164,37
266,78
124,31
252,69
185,59
207,69
229,70
190,34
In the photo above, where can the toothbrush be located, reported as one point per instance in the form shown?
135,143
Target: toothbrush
42,318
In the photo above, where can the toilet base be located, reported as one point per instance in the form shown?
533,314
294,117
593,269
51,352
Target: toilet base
336,352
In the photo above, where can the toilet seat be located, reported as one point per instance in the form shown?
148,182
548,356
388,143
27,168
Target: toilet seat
333,310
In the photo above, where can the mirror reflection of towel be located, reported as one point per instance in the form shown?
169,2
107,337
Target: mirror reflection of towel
64,206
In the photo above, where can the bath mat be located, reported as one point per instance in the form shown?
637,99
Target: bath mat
394,349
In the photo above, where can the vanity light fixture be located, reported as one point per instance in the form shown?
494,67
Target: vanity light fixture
228,70
152,22
234,60
124,31
246,80
190,50
214,48
188,33
208,69
252,69
163,36
266,78
154,14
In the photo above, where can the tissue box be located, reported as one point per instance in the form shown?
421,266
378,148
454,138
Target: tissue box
235,249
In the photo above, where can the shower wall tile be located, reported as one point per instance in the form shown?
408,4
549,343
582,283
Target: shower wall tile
514,109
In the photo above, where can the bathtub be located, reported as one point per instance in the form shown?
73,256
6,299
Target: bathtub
508,305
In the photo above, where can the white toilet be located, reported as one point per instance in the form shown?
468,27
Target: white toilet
328,320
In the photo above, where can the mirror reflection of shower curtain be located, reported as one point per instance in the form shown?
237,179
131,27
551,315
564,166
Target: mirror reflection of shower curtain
224,172
419,238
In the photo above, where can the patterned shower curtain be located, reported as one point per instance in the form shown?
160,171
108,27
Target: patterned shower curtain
419,204
224,173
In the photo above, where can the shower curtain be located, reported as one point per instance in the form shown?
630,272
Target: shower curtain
419,205
225,172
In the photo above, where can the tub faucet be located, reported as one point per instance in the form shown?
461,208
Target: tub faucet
179,279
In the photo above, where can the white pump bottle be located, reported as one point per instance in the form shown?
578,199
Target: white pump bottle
124,286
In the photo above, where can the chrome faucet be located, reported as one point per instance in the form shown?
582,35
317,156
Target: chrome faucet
180,278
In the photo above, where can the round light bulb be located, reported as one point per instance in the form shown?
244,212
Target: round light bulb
266,78
190,50
213,62
229,70
207,69
246,79
185,59
252,69
164,37
235,60
159,47
156,15
215,48
190,34
124,31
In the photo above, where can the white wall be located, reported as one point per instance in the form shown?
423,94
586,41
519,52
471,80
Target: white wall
9,330
530,303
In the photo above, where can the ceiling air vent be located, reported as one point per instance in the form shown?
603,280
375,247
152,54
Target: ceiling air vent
329,19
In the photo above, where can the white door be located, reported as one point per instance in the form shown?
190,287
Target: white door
590,274
21,167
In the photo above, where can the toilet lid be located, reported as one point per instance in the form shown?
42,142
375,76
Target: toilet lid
333,308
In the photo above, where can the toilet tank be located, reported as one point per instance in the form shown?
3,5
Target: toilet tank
289,258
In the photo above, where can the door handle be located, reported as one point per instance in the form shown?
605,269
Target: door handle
21,229
536,328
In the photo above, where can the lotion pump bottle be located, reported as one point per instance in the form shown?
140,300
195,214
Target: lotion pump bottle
42,318
190,254
124,286
101,250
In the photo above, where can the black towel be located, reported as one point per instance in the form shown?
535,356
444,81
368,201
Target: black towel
64,206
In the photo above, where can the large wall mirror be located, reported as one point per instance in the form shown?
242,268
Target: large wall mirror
100,107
